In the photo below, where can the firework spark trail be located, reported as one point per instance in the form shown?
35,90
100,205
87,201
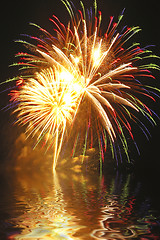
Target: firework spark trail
77,64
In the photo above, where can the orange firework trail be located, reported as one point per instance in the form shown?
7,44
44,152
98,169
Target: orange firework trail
77,69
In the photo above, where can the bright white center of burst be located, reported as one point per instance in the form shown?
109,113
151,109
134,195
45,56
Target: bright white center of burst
67,99
66,76
96,56
76,60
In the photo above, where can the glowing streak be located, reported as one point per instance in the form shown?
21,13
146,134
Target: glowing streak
76,67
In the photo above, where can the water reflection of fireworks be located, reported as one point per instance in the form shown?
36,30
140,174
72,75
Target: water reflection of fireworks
72,205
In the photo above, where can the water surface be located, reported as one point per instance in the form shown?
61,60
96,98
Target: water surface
78,205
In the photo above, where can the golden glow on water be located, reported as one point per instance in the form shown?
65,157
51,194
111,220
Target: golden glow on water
75,202
47,217
76,205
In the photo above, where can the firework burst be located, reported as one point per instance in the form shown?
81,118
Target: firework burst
79,67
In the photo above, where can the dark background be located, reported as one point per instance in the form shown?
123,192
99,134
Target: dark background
15,17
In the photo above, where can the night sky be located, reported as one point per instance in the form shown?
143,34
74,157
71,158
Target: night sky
15,17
